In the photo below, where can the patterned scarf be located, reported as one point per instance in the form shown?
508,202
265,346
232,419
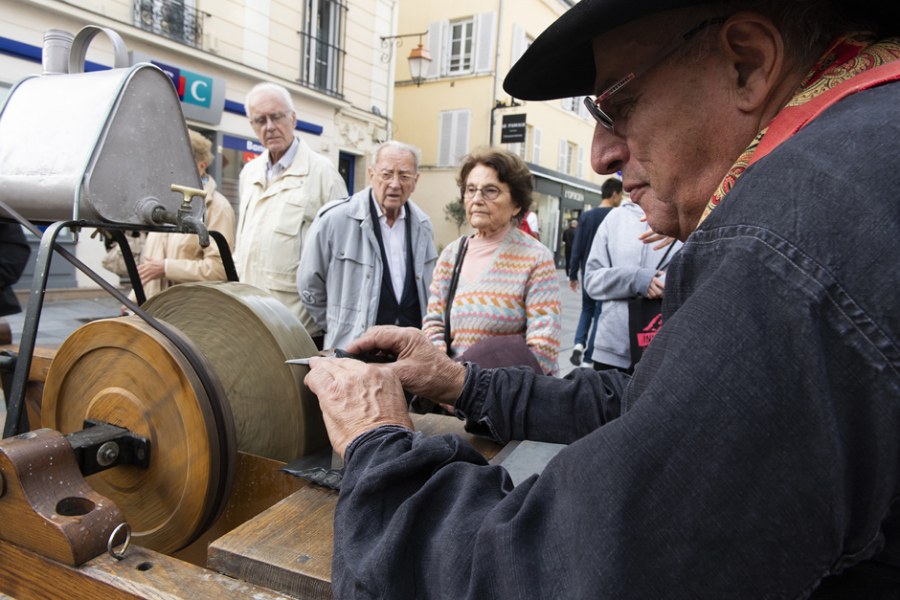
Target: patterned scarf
847,57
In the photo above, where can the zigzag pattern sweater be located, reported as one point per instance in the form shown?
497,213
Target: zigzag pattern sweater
517,293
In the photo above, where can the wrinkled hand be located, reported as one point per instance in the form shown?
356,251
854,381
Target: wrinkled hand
573,285
657,287
422,368
152,269
356,397
650,236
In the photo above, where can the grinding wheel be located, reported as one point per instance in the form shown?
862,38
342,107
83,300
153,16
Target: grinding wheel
247,335
124,372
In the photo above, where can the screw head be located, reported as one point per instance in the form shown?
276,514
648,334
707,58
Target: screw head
107,454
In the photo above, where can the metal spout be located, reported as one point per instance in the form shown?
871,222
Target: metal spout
55,54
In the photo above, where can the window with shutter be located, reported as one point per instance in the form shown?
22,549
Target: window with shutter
460,46
580,173
453,138
484,50
536,149
561,162
434,48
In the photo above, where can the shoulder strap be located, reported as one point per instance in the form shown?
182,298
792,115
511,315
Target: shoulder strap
665,256
794,118
451,292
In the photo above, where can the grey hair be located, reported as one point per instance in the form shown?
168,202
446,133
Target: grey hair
416,153
269,87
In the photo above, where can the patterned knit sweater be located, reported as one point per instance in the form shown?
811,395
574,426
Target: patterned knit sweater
518,292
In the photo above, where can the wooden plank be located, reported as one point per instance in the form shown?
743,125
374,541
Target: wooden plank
258,484
288,548
40,361
142,574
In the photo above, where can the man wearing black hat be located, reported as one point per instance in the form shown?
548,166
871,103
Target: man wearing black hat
755,452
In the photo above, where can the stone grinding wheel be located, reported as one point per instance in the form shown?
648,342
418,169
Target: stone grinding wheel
124,372
247,335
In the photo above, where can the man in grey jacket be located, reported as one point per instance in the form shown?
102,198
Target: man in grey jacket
621,267
369,257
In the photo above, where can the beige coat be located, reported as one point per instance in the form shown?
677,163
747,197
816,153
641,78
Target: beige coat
185,259
274,218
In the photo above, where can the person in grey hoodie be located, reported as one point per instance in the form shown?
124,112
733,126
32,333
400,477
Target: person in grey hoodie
619,268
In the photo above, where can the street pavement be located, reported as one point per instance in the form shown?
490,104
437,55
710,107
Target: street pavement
59,319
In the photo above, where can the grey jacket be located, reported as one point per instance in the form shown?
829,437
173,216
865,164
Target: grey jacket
619,268
339,278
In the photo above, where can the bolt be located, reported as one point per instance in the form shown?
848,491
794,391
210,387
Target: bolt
107,454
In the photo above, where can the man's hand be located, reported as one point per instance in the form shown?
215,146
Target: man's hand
573,285
356,397
422,368
152,269
657,286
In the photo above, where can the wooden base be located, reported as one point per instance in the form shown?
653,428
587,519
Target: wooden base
288,548
143,574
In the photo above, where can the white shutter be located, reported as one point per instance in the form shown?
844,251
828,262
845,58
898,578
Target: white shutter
461,135
580,161
518,45
445,138
536,150
563,148
484,42
434,49
445,47
582,109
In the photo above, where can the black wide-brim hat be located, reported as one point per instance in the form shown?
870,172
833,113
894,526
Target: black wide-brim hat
560,62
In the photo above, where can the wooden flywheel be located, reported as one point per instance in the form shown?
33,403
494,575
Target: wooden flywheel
229,391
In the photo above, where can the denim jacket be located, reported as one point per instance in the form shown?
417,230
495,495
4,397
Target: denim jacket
754,454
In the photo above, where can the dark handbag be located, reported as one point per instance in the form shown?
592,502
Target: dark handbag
644,319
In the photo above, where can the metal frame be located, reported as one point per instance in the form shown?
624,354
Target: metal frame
16,416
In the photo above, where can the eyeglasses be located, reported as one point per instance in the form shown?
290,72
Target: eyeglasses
488,192
593,106
387,177
274,117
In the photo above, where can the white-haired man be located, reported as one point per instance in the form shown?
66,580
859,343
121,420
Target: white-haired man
755,452
369,258
281,190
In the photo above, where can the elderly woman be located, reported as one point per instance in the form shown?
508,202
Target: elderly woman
505,280
171,258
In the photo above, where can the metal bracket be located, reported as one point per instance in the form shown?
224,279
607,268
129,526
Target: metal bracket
101,446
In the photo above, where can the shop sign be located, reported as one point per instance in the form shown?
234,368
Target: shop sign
513,130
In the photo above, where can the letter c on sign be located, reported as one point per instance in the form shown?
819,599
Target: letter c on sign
194,91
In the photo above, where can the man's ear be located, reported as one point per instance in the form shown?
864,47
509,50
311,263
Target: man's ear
754,51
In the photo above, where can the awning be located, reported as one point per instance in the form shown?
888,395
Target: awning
565,187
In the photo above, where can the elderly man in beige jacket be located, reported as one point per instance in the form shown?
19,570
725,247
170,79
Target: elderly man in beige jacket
281,191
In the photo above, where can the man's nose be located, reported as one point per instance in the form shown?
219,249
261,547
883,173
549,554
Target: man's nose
609,152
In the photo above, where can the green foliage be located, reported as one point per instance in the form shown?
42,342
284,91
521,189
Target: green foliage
455,212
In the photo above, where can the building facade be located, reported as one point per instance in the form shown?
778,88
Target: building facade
327,53
460,105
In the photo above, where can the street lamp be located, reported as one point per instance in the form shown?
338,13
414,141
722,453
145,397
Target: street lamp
419,58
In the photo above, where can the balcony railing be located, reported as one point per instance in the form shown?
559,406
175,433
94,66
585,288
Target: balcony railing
321,65
172,19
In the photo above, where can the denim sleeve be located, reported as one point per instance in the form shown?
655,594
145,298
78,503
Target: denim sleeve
516,404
